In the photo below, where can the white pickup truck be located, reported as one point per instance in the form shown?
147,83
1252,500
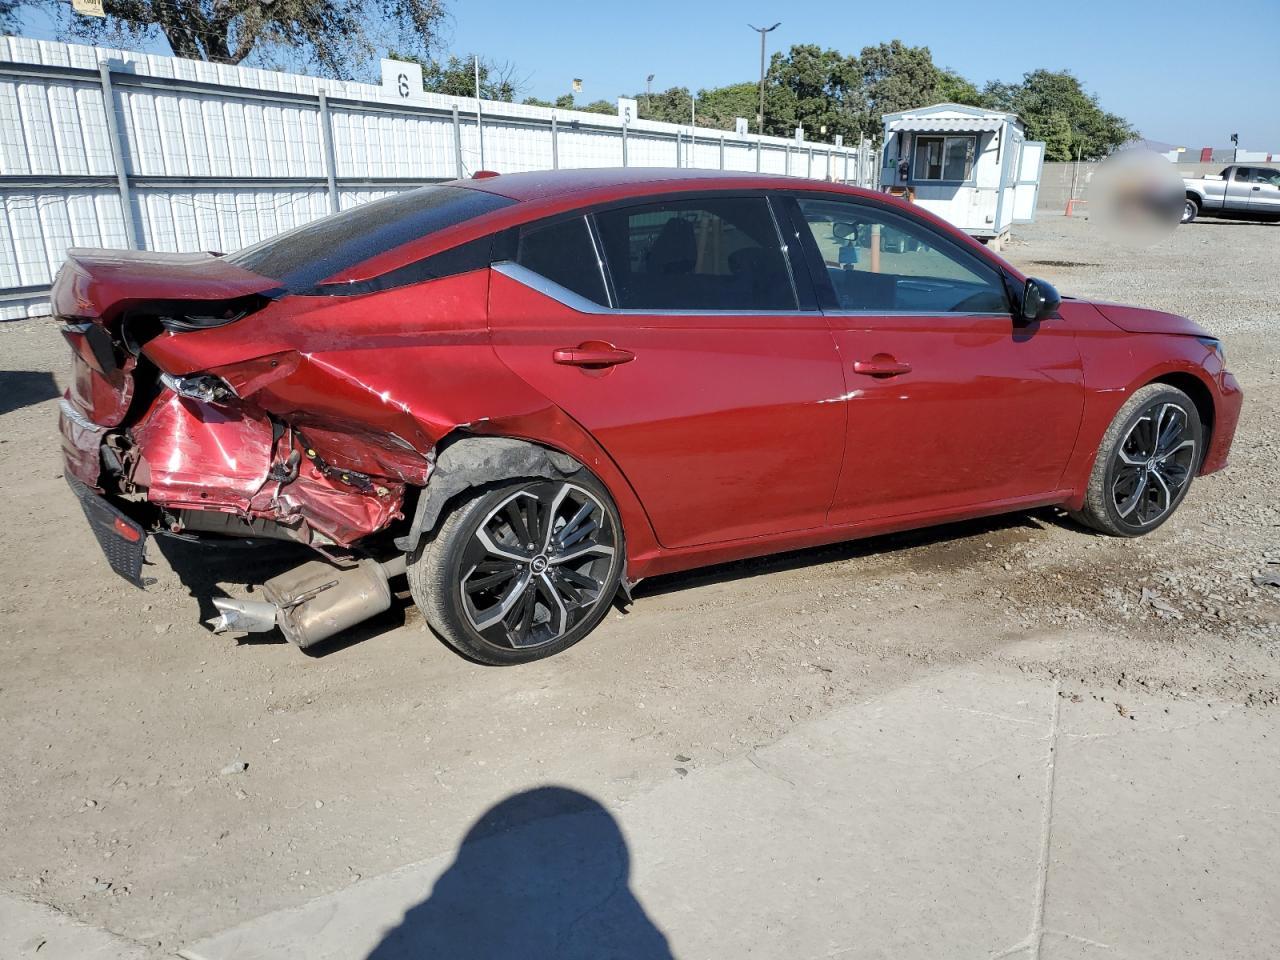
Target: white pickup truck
1238,193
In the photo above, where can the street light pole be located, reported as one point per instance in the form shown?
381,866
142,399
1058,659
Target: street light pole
762,31
648,92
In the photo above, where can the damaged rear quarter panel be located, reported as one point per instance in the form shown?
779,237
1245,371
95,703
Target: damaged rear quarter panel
372,383
366,385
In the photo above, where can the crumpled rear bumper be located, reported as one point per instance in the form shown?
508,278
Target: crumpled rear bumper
123,539
232,459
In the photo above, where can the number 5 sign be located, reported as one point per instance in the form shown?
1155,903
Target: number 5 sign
402,80
628,110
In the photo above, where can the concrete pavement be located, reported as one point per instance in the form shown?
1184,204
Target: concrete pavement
979,814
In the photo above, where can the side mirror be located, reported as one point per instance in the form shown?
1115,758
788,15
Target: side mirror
1040,299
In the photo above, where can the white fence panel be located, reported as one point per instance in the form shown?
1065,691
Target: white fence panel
196,156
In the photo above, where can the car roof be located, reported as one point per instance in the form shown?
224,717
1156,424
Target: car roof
546,184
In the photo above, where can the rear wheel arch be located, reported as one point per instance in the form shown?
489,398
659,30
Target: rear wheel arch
466,463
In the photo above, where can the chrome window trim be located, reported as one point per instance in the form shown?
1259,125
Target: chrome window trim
575,301
940,314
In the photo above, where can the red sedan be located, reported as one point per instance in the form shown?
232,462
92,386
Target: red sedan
531,391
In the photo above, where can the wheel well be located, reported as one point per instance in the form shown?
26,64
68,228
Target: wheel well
467,462
1194,388
1192,195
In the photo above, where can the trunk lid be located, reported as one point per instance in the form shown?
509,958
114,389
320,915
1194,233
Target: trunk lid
110,301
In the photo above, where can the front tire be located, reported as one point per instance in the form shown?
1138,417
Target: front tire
522,571
1145,463
1190,210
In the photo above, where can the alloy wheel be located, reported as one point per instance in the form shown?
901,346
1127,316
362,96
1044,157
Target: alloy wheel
537,565
1153,464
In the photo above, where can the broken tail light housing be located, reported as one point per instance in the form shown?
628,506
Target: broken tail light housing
205,387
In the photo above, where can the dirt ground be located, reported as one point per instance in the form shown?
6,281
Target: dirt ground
121,712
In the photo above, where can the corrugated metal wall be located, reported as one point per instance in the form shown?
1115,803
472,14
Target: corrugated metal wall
199,156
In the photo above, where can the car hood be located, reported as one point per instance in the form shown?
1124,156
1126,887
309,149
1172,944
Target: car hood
1142,320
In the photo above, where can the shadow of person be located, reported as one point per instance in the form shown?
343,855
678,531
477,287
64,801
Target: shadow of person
543,874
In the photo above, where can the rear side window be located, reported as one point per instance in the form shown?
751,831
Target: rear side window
703,254
563,253
301,258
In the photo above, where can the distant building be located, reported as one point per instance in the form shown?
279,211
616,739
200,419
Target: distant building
972,167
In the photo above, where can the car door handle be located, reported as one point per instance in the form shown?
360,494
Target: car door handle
1257,188
592,354
881,366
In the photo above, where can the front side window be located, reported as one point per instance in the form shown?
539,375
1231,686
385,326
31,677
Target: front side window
945,158
563,253
1267,175
881,262
720,253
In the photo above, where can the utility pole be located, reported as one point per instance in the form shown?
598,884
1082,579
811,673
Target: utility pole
648,93
479,120
762,31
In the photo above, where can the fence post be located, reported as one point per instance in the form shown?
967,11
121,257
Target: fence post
624,144
787,168
809,170
457,142
679,144
117,155
845,178
759,149
722,151
555,143
330,158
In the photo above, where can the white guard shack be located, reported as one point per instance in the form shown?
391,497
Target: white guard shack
972,167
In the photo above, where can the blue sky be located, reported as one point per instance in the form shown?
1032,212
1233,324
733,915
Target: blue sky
1143,60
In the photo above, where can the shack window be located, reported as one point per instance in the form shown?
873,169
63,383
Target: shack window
945,158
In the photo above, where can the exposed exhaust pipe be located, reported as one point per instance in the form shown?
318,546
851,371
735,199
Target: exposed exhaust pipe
243,616
314,601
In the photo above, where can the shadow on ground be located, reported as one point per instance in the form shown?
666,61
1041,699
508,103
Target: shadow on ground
205,567
543,874
955,545
22,388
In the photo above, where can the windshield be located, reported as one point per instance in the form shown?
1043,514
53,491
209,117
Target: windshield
303,257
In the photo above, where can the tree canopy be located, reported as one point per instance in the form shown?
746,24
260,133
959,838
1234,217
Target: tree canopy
456,76
1056,109
823,90
335,36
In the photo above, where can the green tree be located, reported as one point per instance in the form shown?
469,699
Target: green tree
896,77
811,87
953,88
334,35
9,16
669,106
1055,108
456,76
721,106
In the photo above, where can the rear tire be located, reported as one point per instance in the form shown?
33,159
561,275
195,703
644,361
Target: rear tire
1145,463
521,571
1190,210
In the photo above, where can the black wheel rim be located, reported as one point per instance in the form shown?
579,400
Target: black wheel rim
1153,465
537,565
